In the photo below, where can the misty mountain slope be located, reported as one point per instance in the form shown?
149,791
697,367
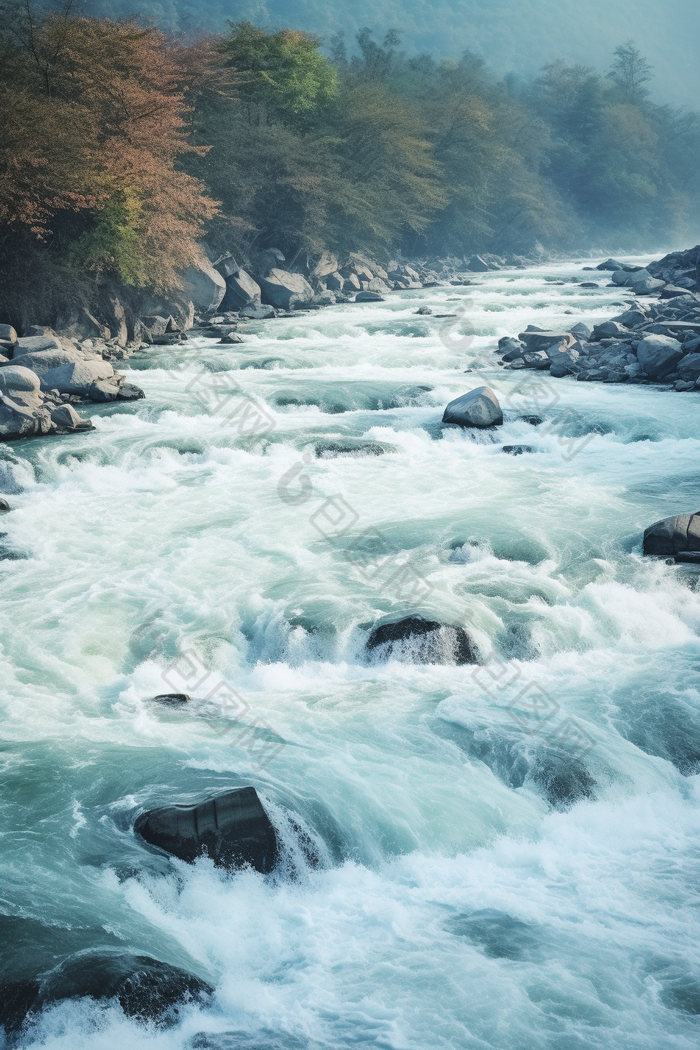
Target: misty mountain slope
512,35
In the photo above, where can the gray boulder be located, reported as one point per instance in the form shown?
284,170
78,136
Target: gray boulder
233,829
610,264
257,312
642,283
541,340
326,265
477,408
658,355
369,297
536,359
241,290
352,283
76,378
18,420
67,418
689,368
334,282
203,285
673,535
44,360
7,333
284,290
581,331
30,344
478,265
608,330
16,377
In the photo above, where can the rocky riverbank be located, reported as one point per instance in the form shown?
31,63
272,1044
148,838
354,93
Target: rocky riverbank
655,340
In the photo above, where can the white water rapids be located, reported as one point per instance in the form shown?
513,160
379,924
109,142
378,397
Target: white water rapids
481,880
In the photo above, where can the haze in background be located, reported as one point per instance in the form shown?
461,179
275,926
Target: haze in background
512,35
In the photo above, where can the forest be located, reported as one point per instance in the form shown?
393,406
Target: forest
123,149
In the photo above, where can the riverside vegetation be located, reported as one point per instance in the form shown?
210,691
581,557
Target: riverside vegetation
131,161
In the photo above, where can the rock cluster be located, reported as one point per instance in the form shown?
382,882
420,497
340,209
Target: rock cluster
43,375
657,339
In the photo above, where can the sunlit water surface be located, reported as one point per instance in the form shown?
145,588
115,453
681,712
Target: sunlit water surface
477,884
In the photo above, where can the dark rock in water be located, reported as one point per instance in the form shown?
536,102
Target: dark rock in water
589,284
500,935
146,989
171,699
233,829
562,781
256,312
534,421
673,535
130,392
422,641
477,408
687,558
609,264
331,449
4,506
369,297
517,450
424,310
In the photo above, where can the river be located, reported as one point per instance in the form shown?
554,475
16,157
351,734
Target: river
502,855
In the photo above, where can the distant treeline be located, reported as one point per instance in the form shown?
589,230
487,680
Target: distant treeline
121,149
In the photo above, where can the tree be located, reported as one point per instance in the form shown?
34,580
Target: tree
630,72
281,76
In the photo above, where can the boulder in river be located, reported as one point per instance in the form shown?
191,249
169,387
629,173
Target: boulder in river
284,290
421,641
145,988
369,296
257,312
659,354
477,408
233,829
478,265
673,535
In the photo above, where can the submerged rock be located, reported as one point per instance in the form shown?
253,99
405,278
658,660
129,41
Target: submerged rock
422,641
171,699
146,988
477,408
673,535
233,829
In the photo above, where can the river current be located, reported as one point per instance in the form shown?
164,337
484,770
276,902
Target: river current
502,855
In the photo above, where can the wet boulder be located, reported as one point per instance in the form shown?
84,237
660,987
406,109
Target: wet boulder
673,535
369,296
257,312
7,333
659,354
22,420
145,988
610,264
66,418
284,290
608,330
420,641
233,829
477,408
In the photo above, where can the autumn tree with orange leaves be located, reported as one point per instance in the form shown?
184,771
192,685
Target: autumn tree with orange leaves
93,125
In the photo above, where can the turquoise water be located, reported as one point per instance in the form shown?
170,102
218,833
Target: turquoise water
505,855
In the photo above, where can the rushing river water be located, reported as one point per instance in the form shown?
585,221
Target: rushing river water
502,856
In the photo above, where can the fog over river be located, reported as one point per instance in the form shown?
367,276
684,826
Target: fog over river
502,855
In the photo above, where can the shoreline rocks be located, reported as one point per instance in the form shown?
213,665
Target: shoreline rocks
655,340
42,375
